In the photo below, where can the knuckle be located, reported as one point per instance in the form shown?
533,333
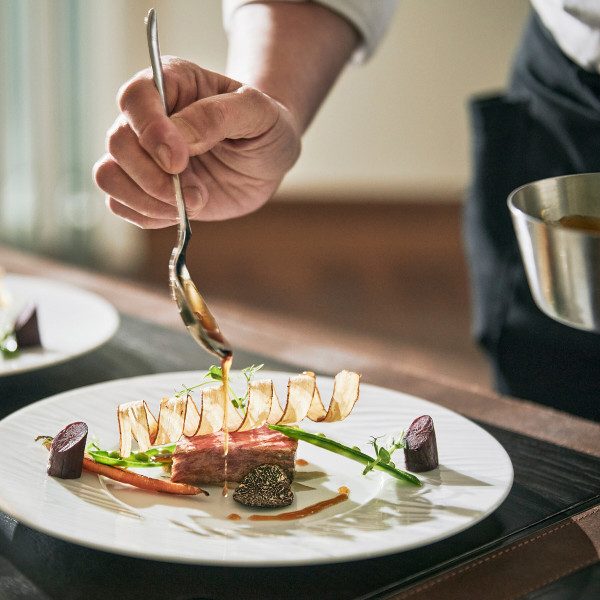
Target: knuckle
187,128
254,97
250,93
217,113
105,172
132,89
158,185
117,137
164,190
194,201
112,205
149,134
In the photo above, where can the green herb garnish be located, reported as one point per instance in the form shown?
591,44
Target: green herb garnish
8,345
383,454
156,456
215,373
46,440
318,439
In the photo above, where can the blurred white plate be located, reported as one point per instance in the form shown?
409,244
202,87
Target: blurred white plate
381,516
72,321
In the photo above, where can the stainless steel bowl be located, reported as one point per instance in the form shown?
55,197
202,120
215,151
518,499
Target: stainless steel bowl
562,263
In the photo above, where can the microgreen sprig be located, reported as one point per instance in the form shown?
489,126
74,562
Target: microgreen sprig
383,454
215,373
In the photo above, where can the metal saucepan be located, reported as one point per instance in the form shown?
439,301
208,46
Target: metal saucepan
557,222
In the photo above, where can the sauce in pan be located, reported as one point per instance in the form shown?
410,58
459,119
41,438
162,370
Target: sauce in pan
583,222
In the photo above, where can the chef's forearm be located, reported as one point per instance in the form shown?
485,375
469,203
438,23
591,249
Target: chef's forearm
291,51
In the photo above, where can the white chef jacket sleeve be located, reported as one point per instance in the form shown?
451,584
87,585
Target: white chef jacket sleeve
371,18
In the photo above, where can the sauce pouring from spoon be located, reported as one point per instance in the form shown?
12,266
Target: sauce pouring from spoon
193,309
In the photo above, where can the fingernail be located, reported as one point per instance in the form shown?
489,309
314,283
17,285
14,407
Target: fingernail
193,198
163,154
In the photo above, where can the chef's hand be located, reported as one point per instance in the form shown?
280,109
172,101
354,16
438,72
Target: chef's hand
232,144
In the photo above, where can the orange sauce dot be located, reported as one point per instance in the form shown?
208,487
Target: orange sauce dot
301,462
234,517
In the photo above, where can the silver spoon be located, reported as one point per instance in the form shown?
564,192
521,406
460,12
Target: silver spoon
192,308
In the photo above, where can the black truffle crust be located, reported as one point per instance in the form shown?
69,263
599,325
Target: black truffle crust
266,486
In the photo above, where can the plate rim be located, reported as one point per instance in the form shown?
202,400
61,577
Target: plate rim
113,321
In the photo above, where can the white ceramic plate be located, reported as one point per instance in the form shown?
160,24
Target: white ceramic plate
72,321
381,516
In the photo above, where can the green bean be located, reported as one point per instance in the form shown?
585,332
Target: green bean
352,453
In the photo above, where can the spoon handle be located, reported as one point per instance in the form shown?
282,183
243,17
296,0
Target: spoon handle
154,48
157,73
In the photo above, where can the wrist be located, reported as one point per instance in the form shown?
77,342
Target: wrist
293,52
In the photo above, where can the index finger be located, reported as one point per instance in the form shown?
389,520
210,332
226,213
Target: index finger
142,107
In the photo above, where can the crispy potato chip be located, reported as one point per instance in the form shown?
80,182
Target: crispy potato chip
258,407
345,395
234,419
276,410
171,419
136,419
317,411
192,418
301,389
180,416
213,411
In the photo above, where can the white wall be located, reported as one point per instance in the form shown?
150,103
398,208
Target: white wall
400,124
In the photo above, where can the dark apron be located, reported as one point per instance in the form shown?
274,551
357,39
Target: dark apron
547,124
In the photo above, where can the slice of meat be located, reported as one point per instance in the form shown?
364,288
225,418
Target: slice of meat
200,459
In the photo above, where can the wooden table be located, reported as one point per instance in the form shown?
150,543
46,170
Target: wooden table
530,545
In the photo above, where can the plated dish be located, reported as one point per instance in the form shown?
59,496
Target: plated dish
381,516
71,321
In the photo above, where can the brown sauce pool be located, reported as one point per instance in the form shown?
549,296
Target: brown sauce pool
343,493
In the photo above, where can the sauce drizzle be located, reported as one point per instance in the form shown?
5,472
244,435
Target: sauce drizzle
343,494
225,367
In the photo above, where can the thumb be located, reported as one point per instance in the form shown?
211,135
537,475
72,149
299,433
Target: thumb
243,114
